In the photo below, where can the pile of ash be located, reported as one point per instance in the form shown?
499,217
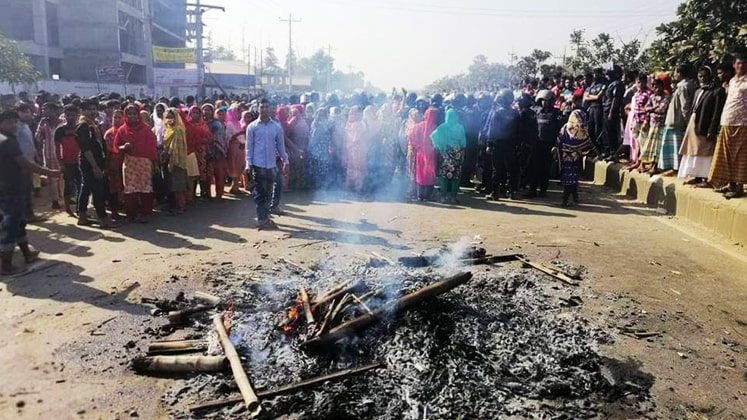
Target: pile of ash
502,345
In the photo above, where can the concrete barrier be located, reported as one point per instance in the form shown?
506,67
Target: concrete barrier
702,206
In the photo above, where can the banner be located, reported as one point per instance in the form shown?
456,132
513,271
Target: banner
173,55
113,73
175,77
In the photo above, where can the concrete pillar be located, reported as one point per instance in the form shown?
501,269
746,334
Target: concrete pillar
148,30
39,13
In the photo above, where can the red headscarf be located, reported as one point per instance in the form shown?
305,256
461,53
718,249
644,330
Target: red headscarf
198,133
282,114
423,130
139,135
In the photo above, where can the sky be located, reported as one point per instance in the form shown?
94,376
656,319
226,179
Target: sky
411,43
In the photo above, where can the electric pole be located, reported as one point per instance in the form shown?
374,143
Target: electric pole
329,65
199,54
290,49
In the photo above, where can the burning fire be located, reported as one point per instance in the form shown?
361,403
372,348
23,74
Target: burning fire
292,316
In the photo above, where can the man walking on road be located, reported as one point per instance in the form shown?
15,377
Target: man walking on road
15,168
264,143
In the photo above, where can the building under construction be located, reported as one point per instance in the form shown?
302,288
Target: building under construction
81,40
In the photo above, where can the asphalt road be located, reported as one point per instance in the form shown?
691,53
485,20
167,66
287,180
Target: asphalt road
82,301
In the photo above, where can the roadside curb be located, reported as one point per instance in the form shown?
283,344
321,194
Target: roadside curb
701,206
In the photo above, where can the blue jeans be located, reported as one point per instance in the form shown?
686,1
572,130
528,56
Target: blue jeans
264,178
92,186
13,226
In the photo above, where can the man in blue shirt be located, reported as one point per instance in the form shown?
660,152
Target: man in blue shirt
264,143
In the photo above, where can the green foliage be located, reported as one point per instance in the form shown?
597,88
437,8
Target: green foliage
603,50
222,53
319,66
705,30
15,67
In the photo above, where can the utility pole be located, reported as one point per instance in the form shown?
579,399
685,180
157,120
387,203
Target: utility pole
329,65
290,49
199,54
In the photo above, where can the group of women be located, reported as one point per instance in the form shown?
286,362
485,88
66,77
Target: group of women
167,155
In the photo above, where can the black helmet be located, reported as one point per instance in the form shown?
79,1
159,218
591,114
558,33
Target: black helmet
437,100
459,100
411,98
505,97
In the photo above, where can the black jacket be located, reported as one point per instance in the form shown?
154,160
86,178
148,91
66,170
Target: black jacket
707,110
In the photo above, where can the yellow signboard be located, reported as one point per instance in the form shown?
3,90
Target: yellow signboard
173,55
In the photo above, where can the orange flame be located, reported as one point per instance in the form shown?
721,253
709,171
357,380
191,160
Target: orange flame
292,317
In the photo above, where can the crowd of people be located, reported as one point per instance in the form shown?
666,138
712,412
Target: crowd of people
128,155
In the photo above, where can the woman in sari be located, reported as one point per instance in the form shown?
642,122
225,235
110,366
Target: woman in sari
175,151
389,145
656,109
198,137
372,137
356,150
637,119
450,140
321,147
298,137
573,143
236,140
413,119
282,115
425,155
136,141
114,162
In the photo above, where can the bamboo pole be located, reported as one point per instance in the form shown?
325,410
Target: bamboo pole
332,296
176,346
389,309
247,392
342,374
306,306
179,364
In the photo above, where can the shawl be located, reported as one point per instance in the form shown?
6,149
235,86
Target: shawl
422,132
449,134
158,125
371,122
233,120
198,133
175,141
575,128
139,135
282,114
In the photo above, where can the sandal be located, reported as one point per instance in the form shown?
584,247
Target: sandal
32,256
733,194
723,190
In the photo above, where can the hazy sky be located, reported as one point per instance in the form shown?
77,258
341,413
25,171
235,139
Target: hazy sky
410,43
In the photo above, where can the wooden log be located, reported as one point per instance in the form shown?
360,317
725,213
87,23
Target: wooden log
176,346
355,287
342,374
339,307
361,304
557,274
306,307
491,259
251,402
179,317
179,364
325,320
390,308
325,297
207,298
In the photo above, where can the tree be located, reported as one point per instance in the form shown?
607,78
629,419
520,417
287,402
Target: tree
222,53
705,30
603,50
271,63
15,67
319,66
